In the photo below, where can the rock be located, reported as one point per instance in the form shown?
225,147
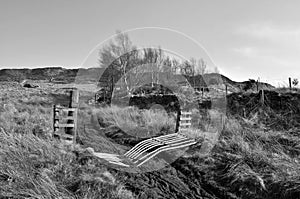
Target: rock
28,85
90,150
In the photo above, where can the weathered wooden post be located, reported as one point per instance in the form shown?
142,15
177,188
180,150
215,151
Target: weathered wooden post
226,92
69,122
290,83
262,97
55,119
74,100
185,120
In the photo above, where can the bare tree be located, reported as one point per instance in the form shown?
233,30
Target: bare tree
159,64
193,62
117,55
201,66
175,65
194,66
117,47
156,58
186,68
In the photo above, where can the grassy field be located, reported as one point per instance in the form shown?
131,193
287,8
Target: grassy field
246,159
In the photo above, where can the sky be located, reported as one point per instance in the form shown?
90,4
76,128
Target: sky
244,39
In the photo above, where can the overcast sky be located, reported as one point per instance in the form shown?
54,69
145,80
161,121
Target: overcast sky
246,39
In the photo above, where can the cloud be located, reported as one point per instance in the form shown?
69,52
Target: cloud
264,55
267,32
246,51
275,46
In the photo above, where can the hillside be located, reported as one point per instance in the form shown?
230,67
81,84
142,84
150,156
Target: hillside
63,75
255,156
233,86
53,74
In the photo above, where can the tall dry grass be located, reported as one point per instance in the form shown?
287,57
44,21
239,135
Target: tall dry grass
33,165
252,163
139,122
246,161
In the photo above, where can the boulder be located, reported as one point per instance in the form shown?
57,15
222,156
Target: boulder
29,85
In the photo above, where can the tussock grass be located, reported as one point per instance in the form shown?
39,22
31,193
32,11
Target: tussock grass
31,167
254,163
25,119
26,165
131,119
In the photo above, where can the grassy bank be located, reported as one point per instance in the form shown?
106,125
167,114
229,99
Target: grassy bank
248,160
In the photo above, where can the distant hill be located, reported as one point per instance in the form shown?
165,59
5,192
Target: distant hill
53,74
233,86
63,75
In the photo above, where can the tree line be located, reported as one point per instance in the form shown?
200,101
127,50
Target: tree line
123,60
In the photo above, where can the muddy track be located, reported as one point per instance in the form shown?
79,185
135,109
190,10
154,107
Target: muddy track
184,179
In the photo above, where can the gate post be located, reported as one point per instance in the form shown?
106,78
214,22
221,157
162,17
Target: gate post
74,100
66,119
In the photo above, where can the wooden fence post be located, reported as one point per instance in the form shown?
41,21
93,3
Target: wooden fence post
74,100
55,119
185,120
70,124
226,92
262,97
290,83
